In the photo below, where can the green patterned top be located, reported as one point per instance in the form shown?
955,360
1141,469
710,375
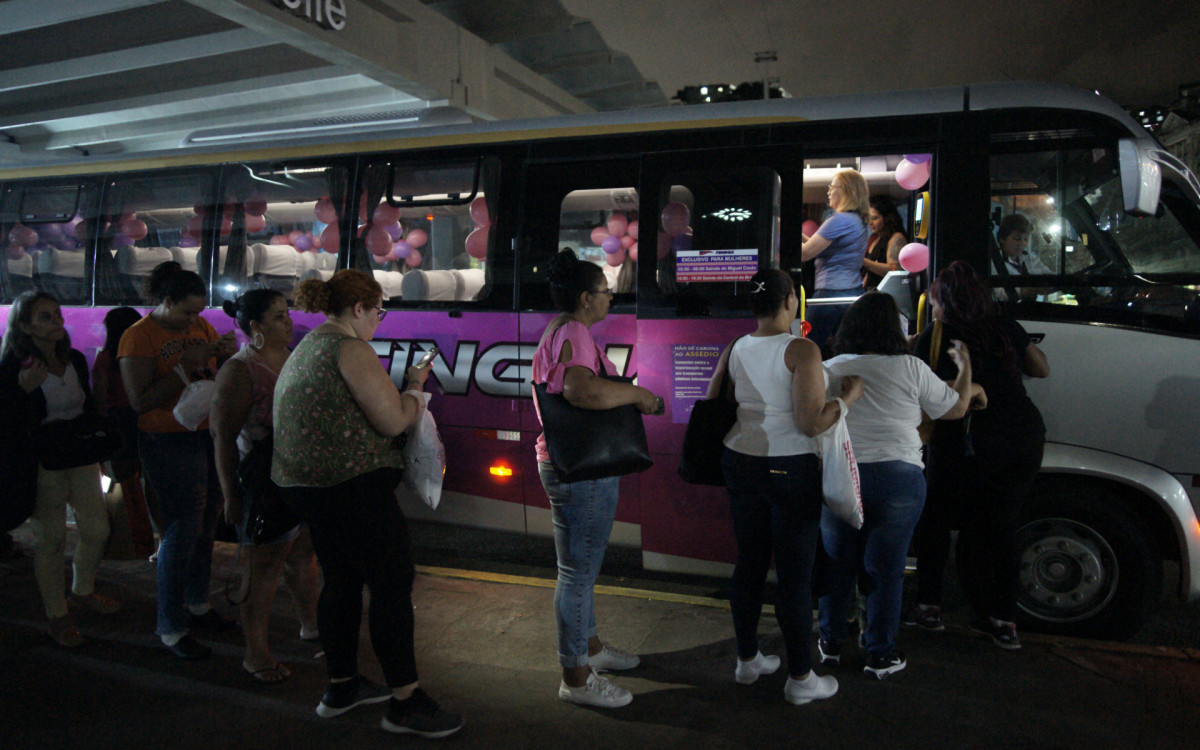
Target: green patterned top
322,437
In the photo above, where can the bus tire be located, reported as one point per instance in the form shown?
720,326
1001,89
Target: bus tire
1087,563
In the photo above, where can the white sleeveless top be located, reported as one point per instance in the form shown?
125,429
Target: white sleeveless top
762,385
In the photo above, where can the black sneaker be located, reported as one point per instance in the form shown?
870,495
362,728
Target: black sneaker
340,697
1003,635
882,666
420,715
928,617
831,653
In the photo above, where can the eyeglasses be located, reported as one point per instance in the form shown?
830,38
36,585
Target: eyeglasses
609,292
831,188
379,311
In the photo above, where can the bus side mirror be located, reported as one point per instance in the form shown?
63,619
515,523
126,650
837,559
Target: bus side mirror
1141,178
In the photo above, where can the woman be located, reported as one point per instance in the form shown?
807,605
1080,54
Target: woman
42,379
986,485
111,400
883,246
178,463
774,480
838,247
569,362
241,416
337,414
897,387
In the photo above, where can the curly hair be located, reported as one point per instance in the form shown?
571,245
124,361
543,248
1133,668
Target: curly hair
344,289
967,305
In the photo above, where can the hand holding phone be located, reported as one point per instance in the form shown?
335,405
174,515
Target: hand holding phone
427,358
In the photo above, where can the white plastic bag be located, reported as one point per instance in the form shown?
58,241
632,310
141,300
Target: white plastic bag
839,472
192,408
425,459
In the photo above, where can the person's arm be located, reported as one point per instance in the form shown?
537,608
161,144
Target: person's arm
877,268
147,393
811,412
232,400
582,388
813,246
714,383
895,244
373,390
1034,362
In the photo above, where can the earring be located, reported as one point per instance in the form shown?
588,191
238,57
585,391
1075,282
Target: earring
258,340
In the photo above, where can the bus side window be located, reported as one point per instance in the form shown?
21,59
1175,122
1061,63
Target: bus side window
46,226
602,226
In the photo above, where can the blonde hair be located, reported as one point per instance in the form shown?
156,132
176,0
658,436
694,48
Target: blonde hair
855,195
344,289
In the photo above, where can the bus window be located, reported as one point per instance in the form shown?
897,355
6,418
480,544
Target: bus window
46,227
148,219
601,226
279,225
425,229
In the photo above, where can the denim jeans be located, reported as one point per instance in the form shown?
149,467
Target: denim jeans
583,514
776,507
893,493
179,467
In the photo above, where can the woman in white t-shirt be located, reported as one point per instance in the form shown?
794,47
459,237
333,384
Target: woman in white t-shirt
897,387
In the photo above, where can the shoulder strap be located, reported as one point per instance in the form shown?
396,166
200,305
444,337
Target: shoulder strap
726,386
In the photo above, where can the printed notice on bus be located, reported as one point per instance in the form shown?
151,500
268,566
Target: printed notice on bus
693,367
716,265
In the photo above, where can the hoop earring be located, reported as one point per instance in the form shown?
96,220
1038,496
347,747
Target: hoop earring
258,341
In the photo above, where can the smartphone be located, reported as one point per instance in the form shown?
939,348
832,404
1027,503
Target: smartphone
428,357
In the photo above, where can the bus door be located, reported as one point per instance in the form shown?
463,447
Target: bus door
712,218
591,208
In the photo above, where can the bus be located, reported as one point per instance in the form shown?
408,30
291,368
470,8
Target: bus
680,205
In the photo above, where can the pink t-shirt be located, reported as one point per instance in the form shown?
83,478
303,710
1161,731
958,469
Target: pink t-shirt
547,369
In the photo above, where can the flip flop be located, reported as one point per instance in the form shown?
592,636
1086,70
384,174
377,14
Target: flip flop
276,673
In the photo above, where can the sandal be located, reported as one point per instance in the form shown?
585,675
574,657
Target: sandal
64,633
274,673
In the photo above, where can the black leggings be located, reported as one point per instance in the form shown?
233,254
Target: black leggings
361,538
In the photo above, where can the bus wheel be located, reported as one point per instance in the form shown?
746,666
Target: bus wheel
1087,566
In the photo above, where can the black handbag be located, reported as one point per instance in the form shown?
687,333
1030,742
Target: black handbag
267,516
592,443
86,439
708,424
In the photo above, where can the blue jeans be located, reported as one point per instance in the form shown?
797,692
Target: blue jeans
776,507
893,494
583,514
179,467
825,319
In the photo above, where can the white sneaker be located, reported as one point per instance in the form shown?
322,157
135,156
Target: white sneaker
597,692
812,688
613,659
748,672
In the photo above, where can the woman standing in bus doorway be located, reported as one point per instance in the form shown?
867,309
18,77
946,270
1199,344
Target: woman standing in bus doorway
337,461
838,247
897,387
980,469
178,463
883,246
42,379
241,416
774,480
569,362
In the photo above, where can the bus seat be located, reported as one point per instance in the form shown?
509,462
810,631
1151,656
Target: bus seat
457,285
392,283
275,260
61,272
316,273
468,283
134,265
185,257
20,274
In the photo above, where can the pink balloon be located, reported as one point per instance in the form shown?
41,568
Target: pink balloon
599,234
255,223
255,205
394,230
615,259
675,218
417,238
617,224
479,213
664,244
633,252
911,176
632,229
389,257
477,243
303,242
226,226
16,251
414,259
199,209
331,240
809,227
918,158
279,239
325,212
23,236
402,249
386,214
611,245
194,225
627,242
379,242
914,257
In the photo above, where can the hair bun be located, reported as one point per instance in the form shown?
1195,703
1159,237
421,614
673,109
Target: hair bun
230,308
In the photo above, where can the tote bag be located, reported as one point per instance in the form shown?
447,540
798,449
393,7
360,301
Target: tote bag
592,443
703,441
839,472
424,458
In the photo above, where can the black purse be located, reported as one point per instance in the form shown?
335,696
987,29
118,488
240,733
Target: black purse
86,439
592,443
708,424
267,516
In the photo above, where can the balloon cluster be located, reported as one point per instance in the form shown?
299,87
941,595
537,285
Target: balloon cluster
676,224
67,235
477,240
617,237
913,171
386,239
253,207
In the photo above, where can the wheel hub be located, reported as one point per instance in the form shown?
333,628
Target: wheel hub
1068,570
